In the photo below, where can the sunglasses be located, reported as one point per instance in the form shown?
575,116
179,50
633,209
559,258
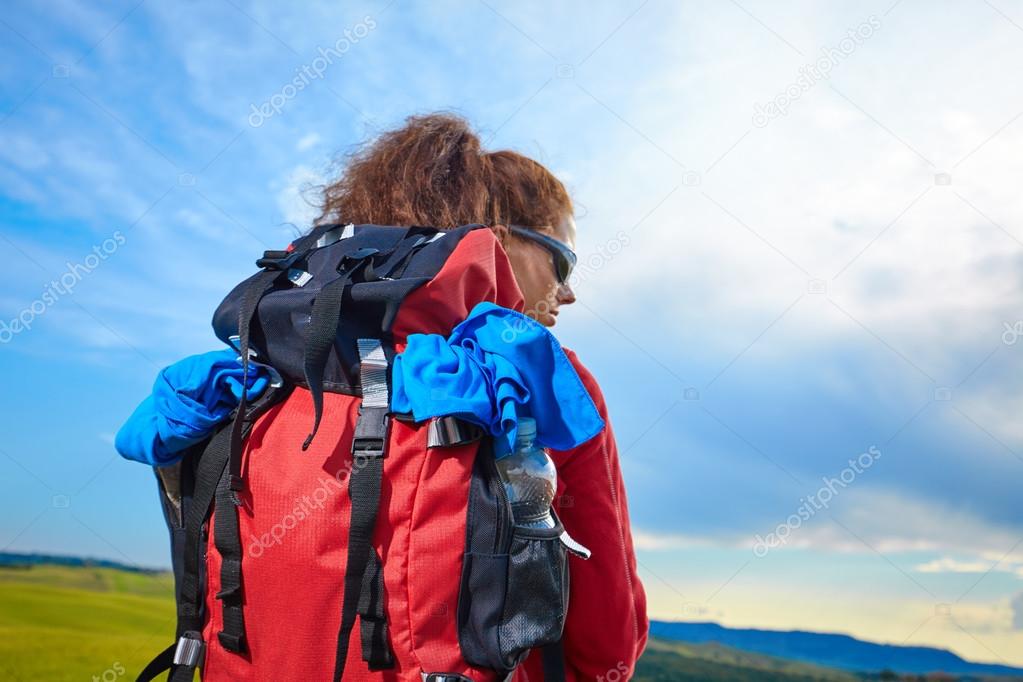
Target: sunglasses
564,257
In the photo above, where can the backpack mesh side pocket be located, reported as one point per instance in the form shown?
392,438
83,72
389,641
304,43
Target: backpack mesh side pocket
513,595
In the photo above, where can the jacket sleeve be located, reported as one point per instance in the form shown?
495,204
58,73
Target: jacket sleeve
607,623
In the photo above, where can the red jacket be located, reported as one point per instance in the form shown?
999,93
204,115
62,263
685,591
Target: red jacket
607,624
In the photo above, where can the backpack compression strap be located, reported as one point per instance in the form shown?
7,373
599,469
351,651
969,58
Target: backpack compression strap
364,569
226,534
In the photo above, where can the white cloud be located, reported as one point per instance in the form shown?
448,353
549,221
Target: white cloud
650,541
296,195
952,565
817,187
879,520
308,141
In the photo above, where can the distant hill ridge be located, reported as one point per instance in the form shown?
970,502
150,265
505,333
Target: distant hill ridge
833,650
16,559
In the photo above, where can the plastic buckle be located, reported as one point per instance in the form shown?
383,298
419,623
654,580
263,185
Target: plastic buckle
276,380
367,447
190,650
278,260
235,643
360,258
448,431
370,437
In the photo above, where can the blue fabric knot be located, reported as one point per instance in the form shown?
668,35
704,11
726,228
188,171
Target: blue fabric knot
189,400
497,366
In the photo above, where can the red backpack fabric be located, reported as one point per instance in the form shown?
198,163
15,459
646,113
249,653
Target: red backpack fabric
273,582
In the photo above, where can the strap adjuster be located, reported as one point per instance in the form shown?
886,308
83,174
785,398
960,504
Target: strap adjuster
370,437
448,431
279,260
235,643
368,447
189,650
231,593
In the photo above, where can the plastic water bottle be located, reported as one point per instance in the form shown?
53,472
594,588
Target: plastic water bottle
530,479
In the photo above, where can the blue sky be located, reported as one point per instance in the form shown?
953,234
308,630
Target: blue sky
800,243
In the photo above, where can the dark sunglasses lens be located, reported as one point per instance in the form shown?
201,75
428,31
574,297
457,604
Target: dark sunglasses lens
565,263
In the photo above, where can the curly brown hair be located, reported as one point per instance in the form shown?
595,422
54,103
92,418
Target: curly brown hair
433,171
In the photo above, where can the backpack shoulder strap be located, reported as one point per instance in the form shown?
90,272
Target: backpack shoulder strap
182,657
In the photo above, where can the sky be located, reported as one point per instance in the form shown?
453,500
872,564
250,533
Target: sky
799,284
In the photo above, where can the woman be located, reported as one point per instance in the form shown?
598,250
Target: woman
433,171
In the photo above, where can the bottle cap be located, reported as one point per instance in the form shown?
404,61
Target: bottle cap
526,429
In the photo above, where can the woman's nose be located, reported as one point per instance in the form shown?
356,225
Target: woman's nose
565,294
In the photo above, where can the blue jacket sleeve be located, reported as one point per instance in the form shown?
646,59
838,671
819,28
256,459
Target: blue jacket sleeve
189,400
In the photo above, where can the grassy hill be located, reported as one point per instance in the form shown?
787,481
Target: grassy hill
73,623
711,662
66,622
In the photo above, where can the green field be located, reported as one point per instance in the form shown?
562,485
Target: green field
89,623
76,623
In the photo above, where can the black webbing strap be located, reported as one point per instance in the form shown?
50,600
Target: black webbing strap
211,469
400,255
553,657
163,661
250,301
226,533
364,482
226,537
376,647
323,321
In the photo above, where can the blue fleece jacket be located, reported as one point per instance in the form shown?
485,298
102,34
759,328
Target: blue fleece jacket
498,365
190,399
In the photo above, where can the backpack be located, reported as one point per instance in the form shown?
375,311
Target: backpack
315,507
